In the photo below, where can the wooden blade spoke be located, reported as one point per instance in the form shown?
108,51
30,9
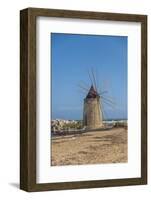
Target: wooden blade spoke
93,76
90,77
108,100
109,104
83,88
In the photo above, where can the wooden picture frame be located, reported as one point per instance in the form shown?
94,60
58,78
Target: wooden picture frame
28,98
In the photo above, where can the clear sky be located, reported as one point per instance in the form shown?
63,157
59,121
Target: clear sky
72,56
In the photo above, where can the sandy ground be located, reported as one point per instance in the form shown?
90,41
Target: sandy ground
108,146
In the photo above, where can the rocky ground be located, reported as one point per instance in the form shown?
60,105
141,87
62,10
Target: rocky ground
109,146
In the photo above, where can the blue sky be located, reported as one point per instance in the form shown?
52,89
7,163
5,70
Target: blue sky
73,55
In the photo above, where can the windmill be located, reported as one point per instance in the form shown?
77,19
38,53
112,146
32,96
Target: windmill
93,109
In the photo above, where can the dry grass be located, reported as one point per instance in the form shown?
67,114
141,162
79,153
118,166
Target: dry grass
90,148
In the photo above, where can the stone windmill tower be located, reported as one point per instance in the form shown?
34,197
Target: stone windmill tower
93,111
92,114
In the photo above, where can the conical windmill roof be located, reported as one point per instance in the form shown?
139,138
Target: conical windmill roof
92,93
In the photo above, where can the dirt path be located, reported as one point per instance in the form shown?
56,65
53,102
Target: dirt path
90,148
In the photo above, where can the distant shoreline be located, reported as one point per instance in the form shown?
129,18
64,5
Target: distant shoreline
118,119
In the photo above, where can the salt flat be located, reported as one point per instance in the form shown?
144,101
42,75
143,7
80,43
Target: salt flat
108,146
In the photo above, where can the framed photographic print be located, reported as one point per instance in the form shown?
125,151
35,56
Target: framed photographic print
83,99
